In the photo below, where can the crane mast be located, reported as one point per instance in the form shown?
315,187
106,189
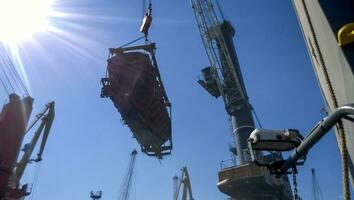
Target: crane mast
223,78
127,182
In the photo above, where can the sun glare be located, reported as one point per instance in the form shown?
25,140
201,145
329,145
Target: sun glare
20,19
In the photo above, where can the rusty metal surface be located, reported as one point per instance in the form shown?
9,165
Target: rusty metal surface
138,96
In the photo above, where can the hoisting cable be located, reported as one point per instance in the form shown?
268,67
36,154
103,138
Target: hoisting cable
4,86
17,75
256,116
129,43
11,75
18,80
6,76
35,180
6,63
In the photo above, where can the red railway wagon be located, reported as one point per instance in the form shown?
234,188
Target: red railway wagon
134,85
13,123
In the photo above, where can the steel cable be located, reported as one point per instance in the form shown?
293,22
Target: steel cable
18,80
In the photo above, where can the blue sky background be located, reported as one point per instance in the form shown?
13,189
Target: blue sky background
88,148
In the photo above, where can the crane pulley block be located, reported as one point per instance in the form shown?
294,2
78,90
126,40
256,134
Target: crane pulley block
147,20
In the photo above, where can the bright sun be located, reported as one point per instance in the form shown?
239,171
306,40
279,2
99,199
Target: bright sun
20,19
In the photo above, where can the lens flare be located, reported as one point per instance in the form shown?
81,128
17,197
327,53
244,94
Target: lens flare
20,19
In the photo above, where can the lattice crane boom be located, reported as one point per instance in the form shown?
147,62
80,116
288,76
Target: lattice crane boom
128,179
226,75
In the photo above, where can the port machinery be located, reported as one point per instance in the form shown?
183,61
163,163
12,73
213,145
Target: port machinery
223,78
14,118
178,182
11,135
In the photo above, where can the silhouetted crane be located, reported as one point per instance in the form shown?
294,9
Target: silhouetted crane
127,182
316,190
96,195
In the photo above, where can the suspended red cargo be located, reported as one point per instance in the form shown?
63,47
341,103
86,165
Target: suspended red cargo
134,85
13,123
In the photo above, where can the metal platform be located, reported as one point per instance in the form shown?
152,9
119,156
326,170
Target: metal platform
251,182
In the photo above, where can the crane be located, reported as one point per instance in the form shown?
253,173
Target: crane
316,190
223,78
96,195
127,181
46,116
187,188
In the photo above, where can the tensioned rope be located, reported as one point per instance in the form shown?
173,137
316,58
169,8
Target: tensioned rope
10,79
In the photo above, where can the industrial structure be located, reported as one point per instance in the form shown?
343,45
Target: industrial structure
96,195
183,182
11,134
223,78
128,178
14,126
134,85
328,30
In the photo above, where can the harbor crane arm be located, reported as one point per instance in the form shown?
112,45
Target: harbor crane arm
47,117
128,179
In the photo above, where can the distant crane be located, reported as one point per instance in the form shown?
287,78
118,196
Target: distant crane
187,188
223,78
96,195
316,190
127,182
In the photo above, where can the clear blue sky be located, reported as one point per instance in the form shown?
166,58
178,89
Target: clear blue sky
88,148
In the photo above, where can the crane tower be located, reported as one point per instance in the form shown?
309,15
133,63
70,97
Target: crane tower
223,78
